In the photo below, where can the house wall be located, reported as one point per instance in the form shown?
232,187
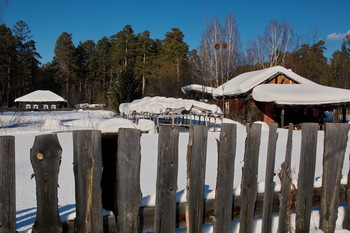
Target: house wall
41,105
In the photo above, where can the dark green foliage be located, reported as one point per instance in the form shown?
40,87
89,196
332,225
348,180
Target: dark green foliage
125,89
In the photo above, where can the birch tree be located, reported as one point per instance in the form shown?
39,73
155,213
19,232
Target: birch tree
220,51
270,48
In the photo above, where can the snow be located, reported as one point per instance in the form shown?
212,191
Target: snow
245,82
114,124
301,94
41,96
26,125
197,87
159,104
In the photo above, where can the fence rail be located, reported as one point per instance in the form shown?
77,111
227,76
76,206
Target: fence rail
114,162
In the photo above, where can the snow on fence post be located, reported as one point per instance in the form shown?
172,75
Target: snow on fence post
196,164
128,192
269,184
7,185
335,140
224,181
45,156
87,161
286,180
166,188
249,178
306,176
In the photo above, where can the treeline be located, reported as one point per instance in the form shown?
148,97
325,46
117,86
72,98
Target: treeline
127,66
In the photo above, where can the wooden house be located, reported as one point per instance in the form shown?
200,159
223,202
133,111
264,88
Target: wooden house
41,100
277,94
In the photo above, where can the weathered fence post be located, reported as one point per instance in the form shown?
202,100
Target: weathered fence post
286,180
269,184
128,191
196,164
306,176
45,156
335,141
224,179
88,172
249,178
7,185
167,169
346,221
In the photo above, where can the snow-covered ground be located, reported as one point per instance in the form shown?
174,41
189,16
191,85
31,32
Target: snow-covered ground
26,125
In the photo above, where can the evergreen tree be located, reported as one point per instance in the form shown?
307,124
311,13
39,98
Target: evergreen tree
340,65
104,70
86,56
125,89
27,64
143,65
174,54
311,63
7,64
65,59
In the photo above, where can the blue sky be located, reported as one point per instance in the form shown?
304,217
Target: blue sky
93,19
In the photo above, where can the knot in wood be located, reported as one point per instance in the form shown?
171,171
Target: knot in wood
40,156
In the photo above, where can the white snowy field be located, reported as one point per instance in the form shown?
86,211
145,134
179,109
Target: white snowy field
26,125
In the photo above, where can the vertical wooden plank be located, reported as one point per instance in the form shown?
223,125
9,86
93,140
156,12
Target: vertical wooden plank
269,184
306,176
87,161
286,180
335,142
225,177
7,185
45,156
167,169
249,178
346,221
196,164
128,191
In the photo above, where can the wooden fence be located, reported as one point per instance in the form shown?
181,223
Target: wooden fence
113,160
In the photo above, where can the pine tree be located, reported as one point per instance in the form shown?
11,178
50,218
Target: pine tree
27,63
65,58
340,65
7,64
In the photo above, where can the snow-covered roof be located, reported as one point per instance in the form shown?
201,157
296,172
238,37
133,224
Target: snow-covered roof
41,96
247,81
300,94
163,104
197,87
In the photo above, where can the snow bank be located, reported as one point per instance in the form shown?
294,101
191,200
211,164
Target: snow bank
53,125
300,94
162,104
114,124
146,126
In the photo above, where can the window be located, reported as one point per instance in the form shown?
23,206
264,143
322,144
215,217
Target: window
53,106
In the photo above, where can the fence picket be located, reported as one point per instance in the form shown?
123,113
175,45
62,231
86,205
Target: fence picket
167,169
128,191
336,137
7,185
249,178
88,174
224,180
286,180
269,184
306,176
46,162
196,164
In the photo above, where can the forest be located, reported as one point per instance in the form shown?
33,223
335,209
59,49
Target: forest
126,66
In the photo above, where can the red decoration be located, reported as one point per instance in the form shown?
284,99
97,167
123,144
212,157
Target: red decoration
224,46
217,46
